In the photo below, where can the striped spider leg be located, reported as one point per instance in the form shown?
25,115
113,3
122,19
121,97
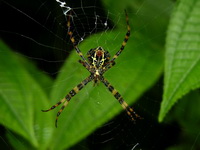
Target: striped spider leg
111,63
128,33
67,98
70,33
118,96
97,64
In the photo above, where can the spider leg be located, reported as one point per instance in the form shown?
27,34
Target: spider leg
109,65
116,94
83,63
70,33
125,39
67,98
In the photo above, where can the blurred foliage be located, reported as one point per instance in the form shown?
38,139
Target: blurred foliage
25,89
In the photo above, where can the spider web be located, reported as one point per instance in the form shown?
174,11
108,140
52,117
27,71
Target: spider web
37,30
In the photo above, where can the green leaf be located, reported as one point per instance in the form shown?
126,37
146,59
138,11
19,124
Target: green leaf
135,71
182,64
40,77
21,100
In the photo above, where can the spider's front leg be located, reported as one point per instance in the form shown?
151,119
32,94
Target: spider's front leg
116,94
85,65
109,65
124,41
67,98
70,33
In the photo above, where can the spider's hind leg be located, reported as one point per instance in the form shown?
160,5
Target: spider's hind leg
128,109
67,98
54,106
118,96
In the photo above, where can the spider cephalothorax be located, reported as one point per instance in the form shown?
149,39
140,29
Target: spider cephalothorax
98,57
98,63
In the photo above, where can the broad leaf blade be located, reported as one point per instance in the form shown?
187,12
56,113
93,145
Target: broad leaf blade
39,76
135,71
182,65
21,100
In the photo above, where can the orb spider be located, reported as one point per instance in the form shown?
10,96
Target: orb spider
98,63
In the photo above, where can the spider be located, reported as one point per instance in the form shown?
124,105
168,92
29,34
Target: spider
98,63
